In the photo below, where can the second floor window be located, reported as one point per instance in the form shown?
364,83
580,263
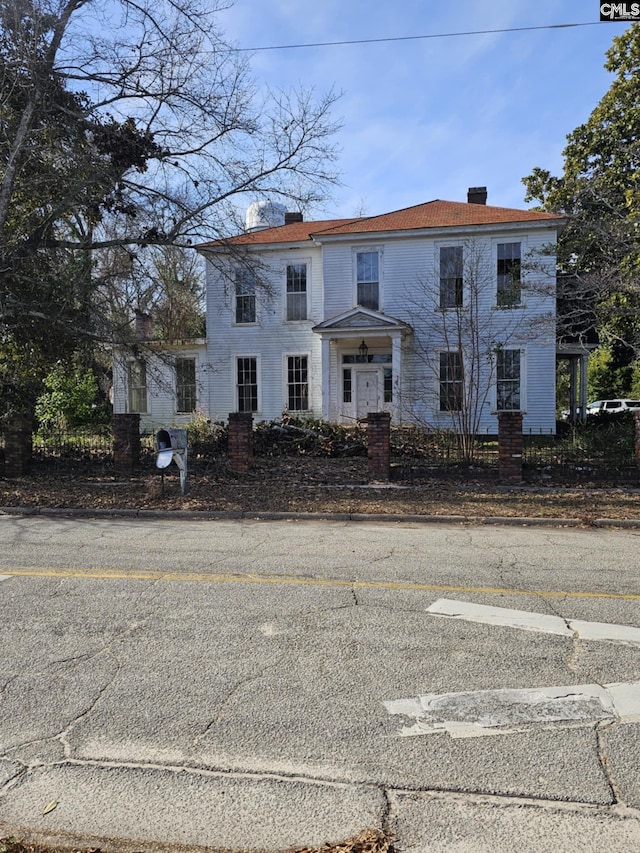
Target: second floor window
245,296
509,272
185,385
296,291
450,277
368,280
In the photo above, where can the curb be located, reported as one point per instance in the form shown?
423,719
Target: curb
246,515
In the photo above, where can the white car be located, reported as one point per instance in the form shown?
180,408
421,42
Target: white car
610,406
599,407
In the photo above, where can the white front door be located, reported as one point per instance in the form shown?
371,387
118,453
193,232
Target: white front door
366,392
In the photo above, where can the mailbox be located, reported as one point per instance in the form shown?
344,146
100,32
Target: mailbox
171,446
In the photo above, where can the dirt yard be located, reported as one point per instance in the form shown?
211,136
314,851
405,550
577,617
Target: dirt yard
311,485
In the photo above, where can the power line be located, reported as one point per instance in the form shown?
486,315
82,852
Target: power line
415,38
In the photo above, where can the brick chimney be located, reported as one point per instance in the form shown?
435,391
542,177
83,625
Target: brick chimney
477,195
144,326
292,216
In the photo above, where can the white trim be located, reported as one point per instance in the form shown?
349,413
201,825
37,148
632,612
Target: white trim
297,262
493,395
449,244
234,378
364,249
524,252
285,382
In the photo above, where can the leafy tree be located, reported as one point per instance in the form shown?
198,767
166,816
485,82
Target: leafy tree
126,124
70,399
599,190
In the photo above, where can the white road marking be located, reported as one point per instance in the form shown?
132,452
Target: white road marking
4,577
541,622
495,712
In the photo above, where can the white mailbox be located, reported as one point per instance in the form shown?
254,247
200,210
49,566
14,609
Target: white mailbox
171,446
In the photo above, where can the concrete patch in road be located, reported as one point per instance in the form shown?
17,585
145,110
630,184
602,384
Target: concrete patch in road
493,712
541,622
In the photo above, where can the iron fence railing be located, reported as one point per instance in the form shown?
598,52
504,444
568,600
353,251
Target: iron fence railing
592,452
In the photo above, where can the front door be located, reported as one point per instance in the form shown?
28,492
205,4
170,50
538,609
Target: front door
366,392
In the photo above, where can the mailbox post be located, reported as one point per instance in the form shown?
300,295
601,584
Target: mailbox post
171,446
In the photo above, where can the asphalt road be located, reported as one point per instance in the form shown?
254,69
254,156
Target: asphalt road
269,685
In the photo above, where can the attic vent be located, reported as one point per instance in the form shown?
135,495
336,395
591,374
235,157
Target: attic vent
292,216
477,195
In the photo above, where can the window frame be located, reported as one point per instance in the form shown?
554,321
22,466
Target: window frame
184,388
245,288
307,267
288,384
236,384
138,388
366,250
457,396
519,379
509,296
458,281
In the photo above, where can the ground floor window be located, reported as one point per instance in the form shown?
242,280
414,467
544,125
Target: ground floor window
297,383
137,385
508,380
451,378
247,384
185,385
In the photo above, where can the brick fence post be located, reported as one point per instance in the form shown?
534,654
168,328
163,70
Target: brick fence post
379,444
18,445
126,442
240,449
510,446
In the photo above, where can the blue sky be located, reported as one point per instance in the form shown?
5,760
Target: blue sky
427,119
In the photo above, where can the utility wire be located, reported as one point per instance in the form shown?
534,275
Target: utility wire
415,38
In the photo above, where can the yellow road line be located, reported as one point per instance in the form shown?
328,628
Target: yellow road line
204,577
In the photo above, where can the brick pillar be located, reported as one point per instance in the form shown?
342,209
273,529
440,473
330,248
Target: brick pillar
510,446
126,442
18,445
240,448
636,416
379,445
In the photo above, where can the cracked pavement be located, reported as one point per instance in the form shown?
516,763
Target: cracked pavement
223,684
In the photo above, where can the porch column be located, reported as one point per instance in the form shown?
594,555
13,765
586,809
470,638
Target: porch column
326,373
397,377
584,361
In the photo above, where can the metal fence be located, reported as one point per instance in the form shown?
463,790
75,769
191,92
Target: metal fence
603,451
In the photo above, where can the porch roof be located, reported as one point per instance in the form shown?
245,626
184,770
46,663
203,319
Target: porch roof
359,321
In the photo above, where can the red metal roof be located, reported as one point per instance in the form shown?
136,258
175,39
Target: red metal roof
431,214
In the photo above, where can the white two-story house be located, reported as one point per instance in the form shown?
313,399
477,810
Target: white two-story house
442,314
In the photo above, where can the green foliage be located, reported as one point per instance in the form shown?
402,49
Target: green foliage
70,399
600,191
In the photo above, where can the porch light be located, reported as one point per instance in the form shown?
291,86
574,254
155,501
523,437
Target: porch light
363,351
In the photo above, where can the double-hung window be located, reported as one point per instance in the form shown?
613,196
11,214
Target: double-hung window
368,280
185,385
137,384
296,291
247,383
451,379
297,383
508,384
509,275
450,277
245,311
